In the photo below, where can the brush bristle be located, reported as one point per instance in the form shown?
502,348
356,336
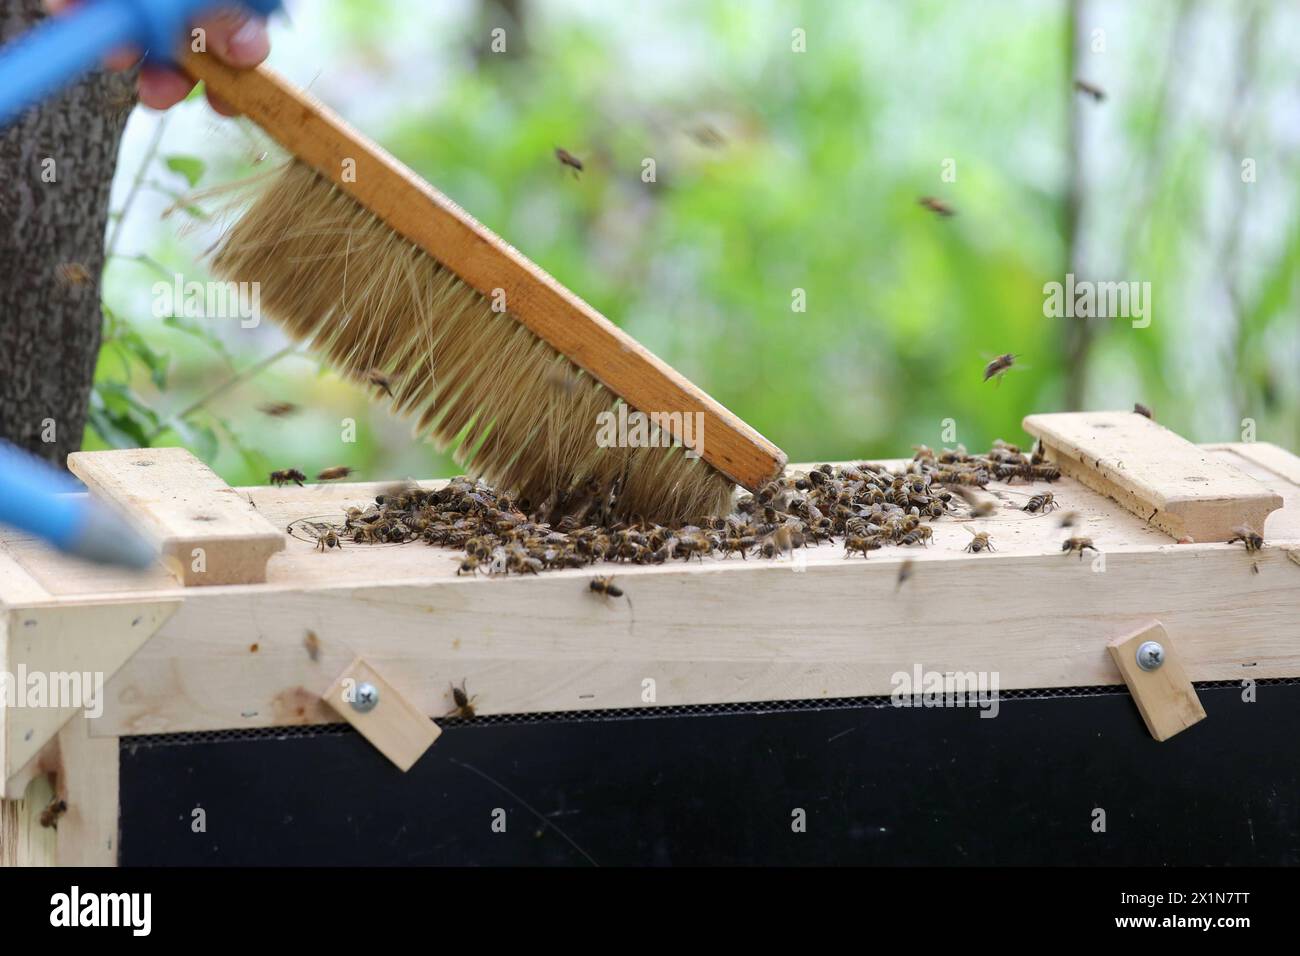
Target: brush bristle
512,408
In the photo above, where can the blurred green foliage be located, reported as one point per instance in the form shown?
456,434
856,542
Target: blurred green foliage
777,171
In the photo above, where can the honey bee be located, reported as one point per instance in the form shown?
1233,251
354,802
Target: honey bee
979,542
861,544
279,478
278,409
328,539
1044,503
464,708
72,274
904,572
380,381
55,809
605,585
1142,410
1078,544
469,565
1090,89
312,643
1252,539
998,367
937,206
1070,519
566,158
335,473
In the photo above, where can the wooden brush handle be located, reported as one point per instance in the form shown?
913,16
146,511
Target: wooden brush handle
316,136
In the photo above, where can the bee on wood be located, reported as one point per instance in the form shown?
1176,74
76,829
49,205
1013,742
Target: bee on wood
861,544
1081,545
1090,89
1044,503
55,809
733,544
312,643
469,565
335,473
937,206
979,542
464,708
605,585
278,409
328,539
1252,539
566,158
72,274
380,381
998,367
1142,410
279,478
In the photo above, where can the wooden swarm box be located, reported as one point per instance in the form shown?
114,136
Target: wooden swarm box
187,650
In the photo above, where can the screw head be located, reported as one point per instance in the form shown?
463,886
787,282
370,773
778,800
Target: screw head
1150,655
366,698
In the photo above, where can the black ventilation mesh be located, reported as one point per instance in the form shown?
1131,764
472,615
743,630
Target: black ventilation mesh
643,713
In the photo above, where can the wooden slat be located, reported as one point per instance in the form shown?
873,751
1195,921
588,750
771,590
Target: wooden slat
396,728
208,533
1154,473
1164,696
414,209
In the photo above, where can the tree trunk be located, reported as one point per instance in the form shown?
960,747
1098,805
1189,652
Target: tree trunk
56,166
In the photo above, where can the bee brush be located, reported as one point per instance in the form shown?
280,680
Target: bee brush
386,276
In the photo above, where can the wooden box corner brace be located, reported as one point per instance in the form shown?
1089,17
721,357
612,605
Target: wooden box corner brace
1157,680
394,725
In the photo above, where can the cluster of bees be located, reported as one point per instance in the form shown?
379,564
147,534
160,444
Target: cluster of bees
863,506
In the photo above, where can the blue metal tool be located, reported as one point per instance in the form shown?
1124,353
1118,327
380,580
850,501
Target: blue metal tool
44,502
58,51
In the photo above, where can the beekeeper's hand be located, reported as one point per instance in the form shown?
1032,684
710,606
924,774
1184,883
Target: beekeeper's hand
234,35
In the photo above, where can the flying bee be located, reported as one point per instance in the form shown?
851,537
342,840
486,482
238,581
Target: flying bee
55,809
464,708
335,473
566,158
605,585
1070,519
328,539
1090,89
1078,544
380,381
979,542
937,206
72,274
1251,538
1044,503
904,572
312,643
279,478
998,367
278,409
1142,410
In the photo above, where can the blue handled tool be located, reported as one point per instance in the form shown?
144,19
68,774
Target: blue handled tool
42,501
59,50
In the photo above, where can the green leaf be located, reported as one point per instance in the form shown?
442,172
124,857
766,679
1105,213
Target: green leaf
156,362
188,166
119,417
200,439
201,332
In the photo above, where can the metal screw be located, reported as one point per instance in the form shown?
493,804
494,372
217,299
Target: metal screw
366,699
1150,655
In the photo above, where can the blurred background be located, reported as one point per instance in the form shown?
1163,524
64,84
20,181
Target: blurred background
777,170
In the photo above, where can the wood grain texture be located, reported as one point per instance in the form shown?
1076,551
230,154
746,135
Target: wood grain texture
1154,473
23,841
208,534
1165,697
88,783
414,209
396,728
